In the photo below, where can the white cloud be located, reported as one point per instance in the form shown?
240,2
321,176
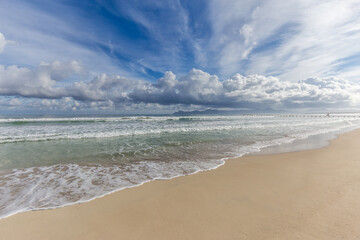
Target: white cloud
64,35
40,82
197,88
63,32
288,38
2,42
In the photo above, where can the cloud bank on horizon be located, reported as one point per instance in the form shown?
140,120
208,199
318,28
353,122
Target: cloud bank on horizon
196,88
121,55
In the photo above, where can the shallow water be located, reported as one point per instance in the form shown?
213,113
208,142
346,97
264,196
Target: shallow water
53,162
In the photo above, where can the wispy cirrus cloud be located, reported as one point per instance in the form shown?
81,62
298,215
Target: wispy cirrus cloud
4,42
65,31
289,39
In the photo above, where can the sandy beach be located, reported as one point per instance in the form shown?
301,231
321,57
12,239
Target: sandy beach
311,194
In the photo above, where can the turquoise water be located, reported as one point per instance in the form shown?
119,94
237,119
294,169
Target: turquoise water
53,162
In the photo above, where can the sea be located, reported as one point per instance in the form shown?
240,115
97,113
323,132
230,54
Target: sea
50,162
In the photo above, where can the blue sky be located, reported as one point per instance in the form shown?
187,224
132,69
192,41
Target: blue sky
162,56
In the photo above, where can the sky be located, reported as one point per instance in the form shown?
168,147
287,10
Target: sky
161,56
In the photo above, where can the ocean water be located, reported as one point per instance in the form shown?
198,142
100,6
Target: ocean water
49,162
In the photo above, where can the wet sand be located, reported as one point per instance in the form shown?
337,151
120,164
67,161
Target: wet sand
312,194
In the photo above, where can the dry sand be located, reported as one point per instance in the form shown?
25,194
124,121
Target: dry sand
311,194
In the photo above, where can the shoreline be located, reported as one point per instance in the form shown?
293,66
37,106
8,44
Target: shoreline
312,142
253,162
316,141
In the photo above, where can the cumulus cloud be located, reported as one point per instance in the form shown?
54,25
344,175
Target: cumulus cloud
254,91
40,82
197,88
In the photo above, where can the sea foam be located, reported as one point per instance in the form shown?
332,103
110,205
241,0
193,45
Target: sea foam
53,162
